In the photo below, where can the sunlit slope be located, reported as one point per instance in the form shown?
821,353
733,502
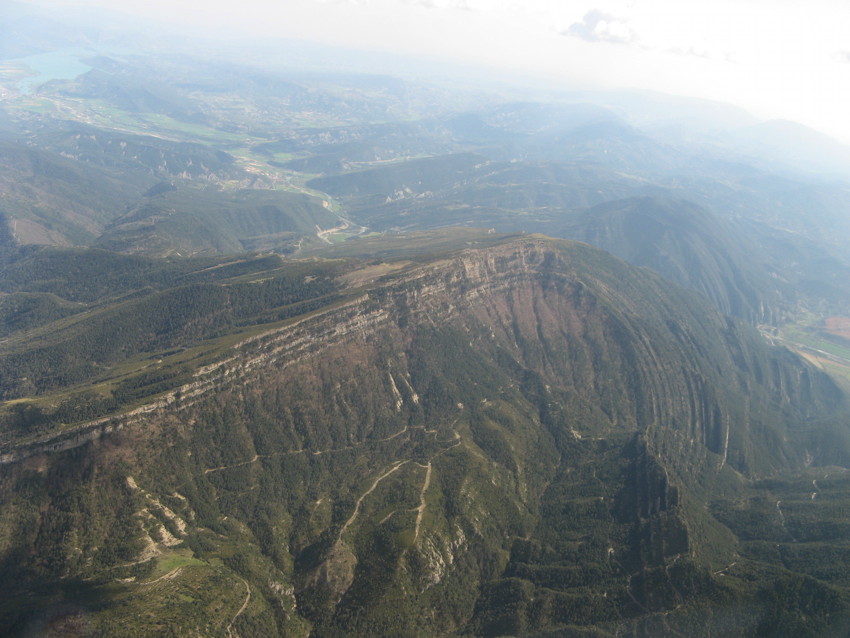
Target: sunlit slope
522,438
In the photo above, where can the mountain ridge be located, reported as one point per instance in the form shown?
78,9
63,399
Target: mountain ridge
453,413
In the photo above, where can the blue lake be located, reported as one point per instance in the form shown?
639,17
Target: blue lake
64,64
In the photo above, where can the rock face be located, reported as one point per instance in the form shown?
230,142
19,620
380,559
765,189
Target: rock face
520,439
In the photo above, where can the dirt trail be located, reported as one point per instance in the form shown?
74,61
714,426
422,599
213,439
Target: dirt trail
227,467
397,434
722,572
169,576
395,467
241,609
257,457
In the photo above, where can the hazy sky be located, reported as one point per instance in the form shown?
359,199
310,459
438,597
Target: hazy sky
777,58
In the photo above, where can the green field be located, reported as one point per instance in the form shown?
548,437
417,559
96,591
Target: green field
808,335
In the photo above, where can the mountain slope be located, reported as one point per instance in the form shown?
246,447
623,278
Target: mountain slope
50,199
188,221
522,438
689,246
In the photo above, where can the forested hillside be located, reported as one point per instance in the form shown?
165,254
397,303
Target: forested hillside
524,438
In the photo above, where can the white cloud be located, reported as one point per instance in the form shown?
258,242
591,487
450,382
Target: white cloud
441,4
597,26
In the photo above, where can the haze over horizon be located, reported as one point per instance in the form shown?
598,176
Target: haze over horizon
786,61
